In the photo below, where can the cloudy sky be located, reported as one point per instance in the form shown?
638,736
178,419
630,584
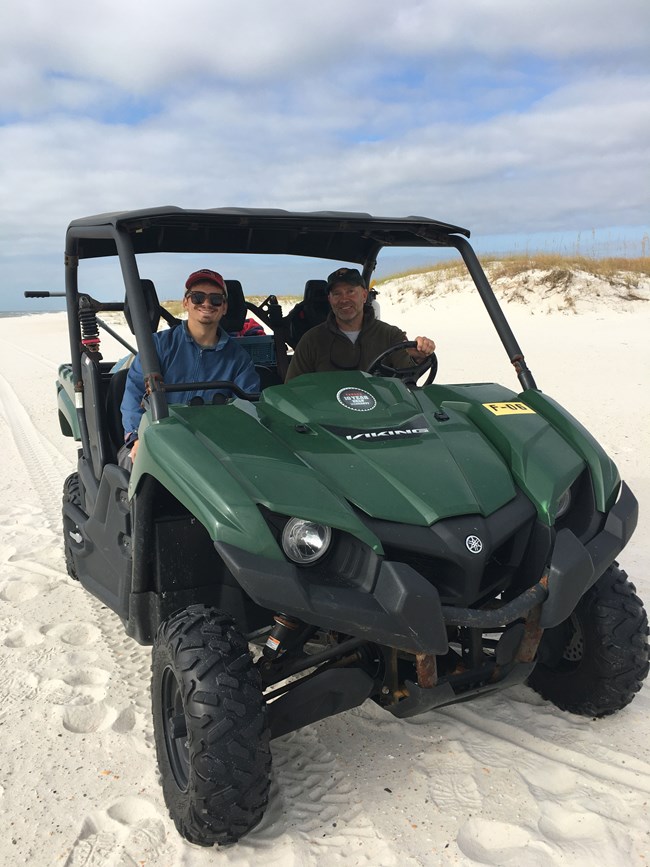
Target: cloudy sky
527,122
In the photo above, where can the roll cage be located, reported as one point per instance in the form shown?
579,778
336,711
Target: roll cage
346,237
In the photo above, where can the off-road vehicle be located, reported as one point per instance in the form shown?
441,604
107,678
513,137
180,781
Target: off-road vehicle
345,536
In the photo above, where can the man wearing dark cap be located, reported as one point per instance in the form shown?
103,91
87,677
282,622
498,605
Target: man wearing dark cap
351,338
197,350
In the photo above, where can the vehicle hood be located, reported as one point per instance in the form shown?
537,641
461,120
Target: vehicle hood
393,453
329,445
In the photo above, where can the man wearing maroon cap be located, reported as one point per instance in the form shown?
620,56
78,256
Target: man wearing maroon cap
351,338
197,350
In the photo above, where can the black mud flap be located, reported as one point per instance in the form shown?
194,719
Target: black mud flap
101,541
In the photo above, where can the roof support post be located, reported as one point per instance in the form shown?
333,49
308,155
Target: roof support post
494,311
146,349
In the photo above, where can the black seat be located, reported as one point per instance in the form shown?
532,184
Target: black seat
233,321
311,311
262,348
155,311
152,303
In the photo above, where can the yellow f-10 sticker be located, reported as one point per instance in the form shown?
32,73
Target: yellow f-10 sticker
515,408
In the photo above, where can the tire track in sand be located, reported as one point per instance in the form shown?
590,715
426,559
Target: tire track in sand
556,796
637,778
74,688
311,809
47,468
45,465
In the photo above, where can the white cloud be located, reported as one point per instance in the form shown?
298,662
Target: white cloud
501,116
141,48
510,170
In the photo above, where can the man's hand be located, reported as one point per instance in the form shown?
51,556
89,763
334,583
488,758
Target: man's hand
425,346
134,450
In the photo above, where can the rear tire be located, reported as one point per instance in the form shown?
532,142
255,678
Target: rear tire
595,661
210,729
71,494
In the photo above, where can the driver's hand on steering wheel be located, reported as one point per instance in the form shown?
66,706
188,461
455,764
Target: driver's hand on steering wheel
425,346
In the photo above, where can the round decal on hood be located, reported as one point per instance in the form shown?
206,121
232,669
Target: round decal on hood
356,399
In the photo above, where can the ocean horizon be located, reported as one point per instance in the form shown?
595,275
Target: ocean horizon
5,314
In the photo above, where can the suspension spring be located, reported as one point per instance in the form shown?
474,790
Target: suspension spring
89,328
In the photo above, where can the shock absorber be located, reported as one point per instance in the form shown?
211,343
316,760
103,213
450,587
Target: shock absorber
89,327
284,627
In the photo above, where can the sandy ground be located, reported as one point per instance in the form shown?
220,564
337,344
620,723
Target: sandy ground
508,780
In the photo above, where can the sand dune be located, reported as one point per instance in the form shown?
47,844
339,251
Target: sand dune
509,780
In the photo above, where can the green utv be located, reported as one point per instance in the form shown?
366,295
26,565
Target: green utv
346,536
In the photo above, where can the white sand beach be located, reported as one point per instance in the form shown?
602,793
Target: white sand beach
507,780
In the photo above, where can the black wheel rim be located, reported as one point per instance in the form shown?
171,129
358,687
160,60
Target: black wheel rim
175,728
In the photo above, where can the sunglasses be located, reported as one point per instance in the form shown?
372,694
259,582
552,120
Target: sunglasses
198,298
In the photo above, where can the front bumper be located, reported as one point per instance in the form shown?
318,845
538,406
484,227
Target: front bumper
400,608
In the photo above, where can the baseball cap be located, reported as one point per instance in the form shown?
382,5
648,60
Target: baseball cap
206,276
351,276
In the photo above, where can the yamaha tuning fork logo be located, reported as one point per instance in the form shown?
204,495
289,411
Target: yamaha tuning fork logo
474,544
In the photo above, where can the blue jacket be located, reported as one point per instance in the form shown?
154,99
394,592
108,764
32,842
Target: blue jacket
183,360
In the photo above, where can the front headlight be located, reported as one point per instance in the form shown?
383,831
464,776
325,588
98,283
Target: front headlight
305,542
563,504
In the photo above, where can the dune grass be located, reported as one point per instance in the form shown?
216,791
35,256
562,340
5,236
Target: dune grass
559,269
512,265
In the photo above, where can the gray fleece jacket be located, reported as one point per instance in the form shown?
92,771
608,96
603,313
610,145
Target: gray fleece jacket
326,347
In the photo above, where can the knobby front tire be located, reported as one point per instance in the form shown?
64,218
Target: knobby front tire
210,729
595,662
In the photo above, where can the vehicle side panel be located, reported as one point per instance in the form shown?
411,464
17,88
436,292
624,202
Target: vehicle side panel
604,474
219,462
543,463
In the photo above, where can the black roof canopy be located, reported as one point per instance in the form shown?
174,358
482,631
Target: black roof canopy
349,237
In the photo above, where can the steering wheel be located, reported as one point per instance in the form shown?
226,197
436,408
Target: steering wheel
406,374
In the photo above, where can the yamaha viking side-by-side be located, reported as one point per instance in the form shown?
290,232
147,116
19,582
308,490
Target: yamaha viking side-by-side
344,536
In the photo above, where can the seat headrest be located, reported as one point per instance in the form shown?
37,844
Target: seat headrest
315,290
152,305
233,321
